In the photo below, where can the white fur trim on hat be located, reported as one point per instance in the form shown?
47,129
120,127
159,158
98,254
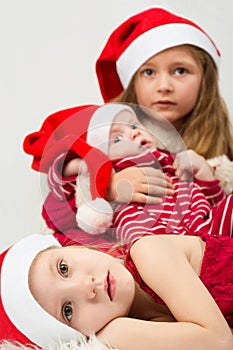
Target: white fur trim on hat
19,304
100,125
158,39
92,343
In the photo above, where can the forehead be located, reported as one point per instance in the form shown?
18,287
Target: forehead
125,116
180,53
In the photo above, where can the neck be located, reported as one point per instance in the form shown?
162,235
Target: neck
145,308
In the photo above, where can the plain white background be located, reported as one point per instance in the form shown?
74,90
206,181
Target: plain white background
48,50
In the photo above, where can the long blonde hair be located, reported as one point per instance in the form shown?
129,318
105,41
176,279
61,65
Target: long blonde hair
207,128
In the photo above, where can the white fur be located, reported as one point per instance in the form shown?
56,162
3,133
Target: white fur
223,171
91,344
95,216
82,189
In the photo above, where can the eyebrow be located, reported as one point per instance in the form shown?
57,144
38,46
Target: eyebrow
132,119
115,128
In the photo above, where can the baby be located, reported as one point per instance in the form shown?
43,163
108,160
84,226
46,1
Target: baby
194,203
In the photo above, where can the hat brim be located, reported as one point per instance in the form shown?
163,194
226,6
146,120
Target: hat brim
19,304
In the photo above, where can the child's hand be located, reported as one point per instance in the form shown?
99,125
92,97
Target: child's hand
139,184
72,168
189,164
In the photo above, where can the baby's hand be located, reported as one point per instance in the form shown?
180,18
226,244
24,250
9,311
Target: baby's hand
72,168
189,164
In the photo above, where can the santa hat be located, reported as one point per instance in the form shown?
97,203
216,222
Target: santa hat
94,213
57,135
141,37
84,132
23,320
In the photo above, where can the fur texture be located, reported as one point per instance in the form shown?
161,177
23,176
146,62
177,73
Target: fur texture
223,171
84,344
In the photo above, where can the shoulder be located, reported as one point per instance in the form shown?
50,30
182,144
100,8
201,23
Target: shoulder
162,249
155,243
156,255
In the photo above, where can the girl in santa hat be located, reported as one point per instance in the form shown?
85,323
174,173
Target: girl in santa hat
178,74
171,292
187,60
166,63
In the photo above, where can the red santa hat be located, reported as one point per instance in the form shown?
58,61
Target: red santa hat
94,213
141,37
23,320
84,132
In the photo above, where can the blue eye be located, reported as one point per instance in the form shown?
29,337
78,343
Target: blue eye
117,139
67,312
63,268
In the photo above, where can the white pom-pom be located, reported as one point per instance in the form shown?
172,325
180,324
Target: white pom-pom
95,216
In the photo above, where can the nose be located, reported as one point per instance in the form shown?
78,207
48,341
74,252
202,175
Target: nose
83,285
164,83
134,133
90,287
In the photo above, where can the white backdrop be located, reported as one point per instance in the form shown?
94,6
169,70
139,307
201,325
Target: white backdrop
48,50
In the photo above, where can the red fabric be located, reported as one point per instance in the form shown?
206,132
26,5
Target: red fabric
202,196
60,217
196,208
57,135
66,131
8,331
216,274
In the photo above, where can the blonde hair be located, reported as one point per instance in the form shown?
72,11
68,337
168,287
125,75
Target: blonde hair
207,128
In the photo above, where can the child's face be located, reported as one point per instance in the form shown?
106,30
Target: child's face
80,287
169,83
128,137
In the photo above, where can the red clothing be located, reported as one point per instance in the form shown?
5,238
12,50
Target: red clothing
216,274
198,207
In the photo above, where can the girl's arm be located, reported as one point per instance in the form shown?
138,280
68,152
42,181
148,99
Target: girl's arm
134,334
139,184
189,164
200,324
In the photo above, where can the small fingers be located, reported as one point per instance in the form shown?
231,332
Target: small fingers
163,181
144,199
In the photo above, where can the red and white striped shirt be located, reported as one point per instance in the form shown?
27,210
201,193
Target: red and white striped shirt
196,208
189,211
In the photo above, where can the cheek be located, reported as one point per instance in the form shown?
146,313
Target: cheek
188,93
191,97
192,89
142,90
92,319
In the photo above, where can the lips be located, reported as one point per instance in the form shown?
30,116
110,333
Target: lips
144,144
110,286
164,103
